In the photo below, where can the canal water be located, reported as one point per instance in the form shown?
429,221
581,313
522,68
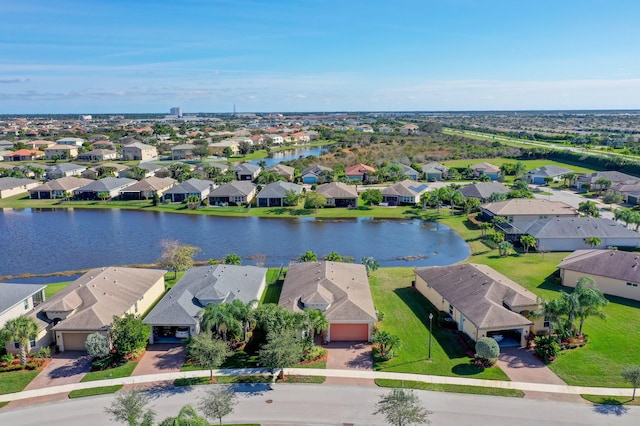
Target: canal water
33,241
291,154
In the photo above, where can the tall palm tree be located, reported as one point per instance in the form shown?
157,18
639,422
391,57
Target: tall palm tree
318,322
527,241
593,241
591,301
21,330
550,310
456,198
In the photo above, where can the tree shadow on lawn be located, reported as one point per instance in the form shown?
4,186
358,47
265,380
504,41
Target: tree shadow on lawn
280,211
300,212
552,283
609,406
421,308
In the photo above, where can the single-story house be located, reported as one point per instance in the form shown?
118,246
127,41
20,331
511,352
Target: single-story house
199,287
312,175
23,155
409,129
483,190
486,169
340,290
360,172
109,185
235,192
630,192
338,194
18,299
615,272
434,171
192,187
404,193
247,171
147,188
286,172
183,152
89,304
10,186
98,155
218,148
57,188
64,170
70,141
63,152
615,178
521,212
274,194
139,151
408,171
483,302
94,172
569,233
103,144
537,175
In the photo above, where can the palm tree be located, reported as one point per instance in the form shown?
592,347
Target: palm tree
551,311
187,416
483,227
317,321
527,241
590,299
425,199
308,256
220,319
21,330
386,342
471,204
455,198
593,241
370,264
569,177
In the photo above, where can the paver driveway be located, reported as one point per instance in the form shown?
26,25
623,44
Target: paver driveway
161,358
349,356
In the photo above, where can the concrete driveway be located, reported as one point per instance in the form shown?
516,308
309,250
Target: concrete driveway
161,358
65,368
349,356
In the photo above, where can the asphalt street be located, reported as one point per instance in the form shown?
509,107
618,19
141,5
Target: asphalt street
334,405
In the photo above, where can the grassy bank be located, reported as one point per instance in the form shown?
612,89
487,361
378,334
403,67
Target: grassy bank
475,390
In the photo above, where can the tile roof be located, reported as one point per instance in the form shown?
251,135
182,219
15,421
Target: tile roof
358,169
480,293
202,284
344,286
619,265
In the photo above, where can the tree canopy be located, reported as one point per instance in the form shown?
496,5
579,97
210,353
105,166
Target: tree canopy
175,256
402,407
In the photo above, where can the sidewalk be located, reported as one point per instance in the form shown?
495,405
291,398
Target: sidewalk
354,374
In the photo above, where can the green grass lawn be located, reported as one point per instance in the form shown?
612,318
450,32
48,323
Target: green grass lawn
406,315
52,289
273,289
102,390
476,390
193,381
529,164
123,370
15,381
611,400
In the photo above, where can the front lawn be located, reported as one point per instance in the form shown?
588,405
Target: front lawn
438,387
102,390
16,381
406,314
123,370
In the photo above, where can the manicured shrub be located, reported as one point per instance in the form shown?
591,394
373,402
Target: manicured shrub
44,352
547,348
487,351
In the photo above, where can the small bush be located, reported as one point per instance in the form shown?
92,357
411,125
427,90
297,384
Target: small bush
314,353
547,348
99,364
7,358
8,368
487,351
44,352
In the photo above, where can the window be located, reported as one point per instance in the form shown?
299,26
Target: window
546,322
26,304
135,307
450,309
632,284
32,343
16,345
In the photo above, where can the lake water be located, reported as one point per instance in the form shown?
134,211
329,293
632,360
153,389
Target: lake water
291,154
34,241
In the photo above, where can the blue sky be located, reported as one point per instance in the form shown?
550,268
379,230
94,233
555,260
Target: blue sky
318,55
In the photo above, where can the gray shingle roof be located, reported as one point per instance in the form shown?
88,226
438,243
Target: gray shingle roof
619,265
615,177
345,286
151,183
233,189
279,189
246,168
529,206
190,186
483,190
336,190
580,227
480,293
10,182
316,170
68,183
217,283
107,184
406,187
13,294
434,167
65,168
551,171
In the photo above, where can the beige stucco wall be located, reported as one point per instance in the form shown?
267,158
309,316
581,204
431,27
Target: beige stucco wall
607,285
62,152
4,193
43,339
14,312
149,298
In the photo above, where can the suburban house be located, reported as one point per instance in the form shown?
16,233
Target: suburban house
63,152
217,148
109,185
585,181
64,170
98,154
312,175
538,175
147,188
89,304
18,299
404,193
340,290
70,141
193,187
38,144
183,152
275,139
520,213
57,188
103,144
616,273
483,302
569,233
360,172
486,169
10,186
286,172
203,172
483,190
434,171
630,192
274,194
247,171
139,151
338,194
23,155
235,192
94,172
199,287
409,172
409,129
